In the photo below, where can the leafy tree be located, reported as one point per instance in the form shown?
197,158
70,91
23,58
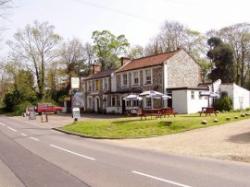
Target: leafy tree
205,68
35,45
22,91
221,54
24,83
108,48
11,99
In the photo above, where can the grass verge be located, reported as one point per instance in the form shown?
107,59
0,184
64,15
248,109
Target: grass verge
137,128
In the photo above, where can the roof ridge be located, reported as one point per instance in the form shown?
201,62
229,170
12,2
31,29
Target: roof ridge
168,52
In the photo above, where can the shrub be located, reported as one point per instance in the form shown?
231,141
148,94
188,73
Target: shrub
20,108
224,103
12,99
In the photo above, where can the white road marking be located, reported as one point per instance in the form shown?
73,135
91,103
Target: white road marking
33,138
160,179
23,134
14,130
74,153
2,124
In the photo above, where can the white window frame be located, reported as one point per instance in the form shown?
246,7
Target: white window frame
144,76
133,78
105,82
90,103
124,85
192,94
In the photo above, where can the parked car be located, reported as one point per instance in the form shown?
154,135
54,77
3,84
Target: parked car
48,107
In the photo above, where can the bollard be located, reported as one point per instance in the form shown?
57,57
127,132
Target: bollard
46,117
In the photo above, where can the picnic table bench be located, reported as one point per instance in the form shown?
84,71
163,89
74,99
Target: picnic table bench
208,111
156,112
167,112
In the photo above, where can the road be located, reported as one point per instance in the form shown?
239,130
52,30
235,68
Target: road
32,155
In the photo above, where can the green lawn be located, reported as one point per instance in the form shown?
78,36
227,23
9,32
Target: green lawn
137,128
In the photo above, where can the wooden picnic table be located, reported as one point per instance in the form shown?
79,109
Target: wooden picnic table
156,112
208,111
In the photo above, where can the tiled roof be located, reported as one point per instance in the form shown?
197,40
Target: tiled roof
101,74
147,61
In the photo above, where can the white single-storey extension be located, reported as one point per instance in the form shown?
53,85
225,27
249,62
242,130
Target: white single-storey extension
188,100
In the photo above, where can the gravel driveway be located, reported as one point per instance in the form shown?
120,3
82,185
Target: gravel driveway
229,141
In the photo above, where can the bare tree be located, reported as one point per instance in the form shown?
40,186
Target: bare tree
72,55
136,51
36,46
174,35
238,36
89,55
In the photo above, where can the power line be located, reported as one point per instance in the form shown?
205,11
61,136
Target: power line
148,20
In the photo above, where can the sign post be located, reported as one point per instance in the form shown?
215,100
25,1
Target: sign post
32,113
76,113
75,105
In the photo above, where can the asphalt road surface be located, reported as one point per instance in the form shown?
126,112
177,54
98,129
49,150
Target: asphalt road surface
34,156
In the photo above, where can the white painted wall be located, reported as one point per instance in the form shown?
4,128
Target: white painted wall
195,105
239,95
184,104
165,77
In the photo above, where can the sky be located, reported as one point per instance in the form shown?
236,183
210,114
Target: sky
139,20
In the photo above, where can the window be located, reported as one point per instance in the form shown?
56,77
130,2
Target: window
192,95
200,97
97,85
89,85
113,101
128,103
135,103
135,78
118,101
125,79
148,102
89,102
148,76
105,84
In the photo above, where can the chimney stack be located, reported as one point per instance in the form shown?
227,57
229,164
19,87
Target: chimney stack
125,60
95,68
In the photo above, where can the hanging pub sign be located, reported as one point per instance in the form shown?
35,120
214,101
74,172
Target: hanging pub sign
75,82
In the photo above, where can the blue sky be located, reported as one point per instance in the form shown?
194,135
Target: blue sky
139,20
